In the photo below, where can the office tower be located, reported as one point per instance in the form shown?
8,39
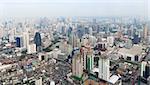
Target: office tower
38,42
136,39
19,41
25,39
11,35
86,30
110,40
77,65
31,49
90,31
80,32
104,72
69,31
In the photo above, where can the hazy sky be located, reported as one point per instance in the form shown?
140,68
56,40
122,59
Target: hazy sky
36,8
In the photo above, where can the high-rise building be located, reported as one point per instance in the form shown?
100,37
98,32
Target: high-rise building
136,39
145,32
90,31
31,49
69,31
25,39
88,58
77,65
1,32
38,41
19,41
11,35
104,64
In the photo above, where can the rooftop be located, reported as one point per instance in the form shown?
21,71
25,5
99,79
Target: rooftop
135,50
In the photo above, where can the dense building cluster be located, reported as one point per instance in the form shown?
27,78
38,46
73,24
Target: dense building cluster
75,51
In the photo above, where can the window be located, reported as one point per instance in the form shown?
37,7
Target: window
128,58
96,59
42,57
136,58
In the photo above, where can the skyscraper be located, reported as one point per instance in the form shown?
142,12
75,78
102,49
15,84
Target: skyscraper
145,32
88,58
77,65
38,42
1,32
19,41
104,72
25,39
31,49
136,39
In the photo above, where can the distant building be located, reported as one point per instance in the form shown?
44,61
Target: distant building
69,31
128,44
25,39
31,49
19,41
90,31
110,40
1,32
136,39
11,36
38,41
145,32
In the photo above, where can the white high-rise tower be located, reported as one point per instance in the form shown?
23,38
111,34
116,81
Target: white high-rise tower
25,39
104,64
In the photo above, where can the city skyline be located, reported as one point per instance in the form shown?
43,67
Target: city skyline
74,42
37,8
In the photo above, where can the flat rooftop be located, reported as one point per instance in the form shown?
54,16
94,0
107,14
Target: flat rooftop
135,50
